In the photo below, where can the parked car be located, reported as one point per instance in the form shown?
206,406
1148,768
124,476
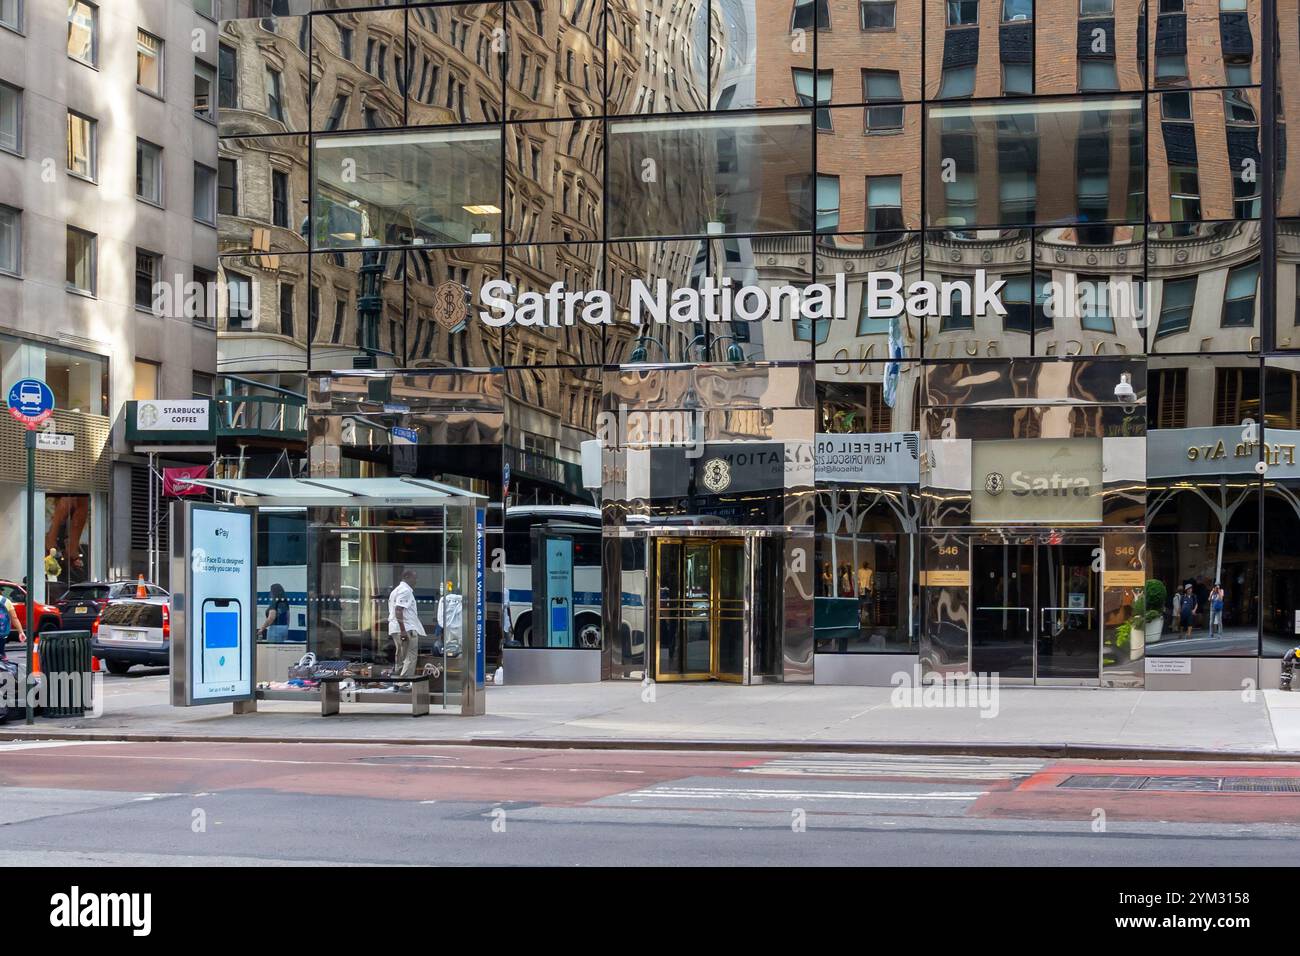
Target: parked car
133,632
82,603
48,617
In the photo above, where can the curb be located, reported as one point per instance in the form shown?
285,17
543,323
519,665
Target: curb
917,748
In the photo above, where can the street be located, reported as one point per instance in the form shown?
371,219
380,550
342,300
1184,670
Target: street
140,803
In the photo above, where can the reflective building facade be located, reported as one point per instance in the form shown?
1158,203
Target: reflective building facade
825,481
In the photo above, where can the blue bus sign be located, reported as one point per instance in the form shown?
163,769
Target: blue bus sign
31,402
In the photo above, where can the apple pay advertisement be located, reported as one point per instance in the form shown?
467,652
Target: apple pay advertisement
220,609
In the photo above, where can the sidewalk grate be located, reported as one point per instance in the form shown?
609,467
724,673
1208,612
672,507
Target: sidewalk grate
1084,781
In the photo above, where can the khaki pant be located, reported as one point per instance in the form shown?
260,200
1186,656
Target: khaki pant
405,653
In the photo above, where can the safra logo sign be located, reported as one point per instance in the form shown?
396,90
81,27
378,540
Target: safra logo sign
721,301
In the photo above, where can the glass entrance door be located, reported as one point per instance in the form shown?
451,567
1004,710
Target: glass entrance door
700,609
1035,612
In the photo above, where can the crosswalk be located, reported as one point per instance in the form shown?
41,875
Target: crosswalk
923,768
719,792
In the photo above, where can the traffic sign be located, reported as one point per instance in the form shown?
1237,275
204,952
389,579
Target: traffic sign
55,441
31,402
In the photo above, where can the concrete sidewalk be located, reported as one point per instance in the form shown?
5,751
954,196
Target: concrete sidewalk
1051,721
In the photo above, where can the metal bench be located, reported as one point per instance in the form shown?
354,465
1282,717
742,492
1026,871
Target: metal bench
330,695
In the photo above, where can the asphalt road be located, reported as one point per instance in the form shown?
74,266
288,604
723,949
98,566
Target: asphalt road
267,803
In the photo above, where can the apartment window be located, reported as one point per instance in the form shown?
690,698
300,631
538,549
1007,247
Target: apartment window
1017,10
11,118
227,71
1093,303
11,14
227,187
83,31
1167,398
1171,66
201,385
205,82
81,146
280,198
337,110
239,300
206,7
286,309
959,315
1236,395
1176,301
877,14
957,81
1239,296
274,100
11,240
148,274
1232,6
146,381
1096,8
882,86
828,203
345,43
1017,78
809,15
1097,75
81,260
205,194
148,62
148,172
1184,194
1246,198
803,87
1237,109
207,284
1171,6
884,207
1015,298
963,12
1176,106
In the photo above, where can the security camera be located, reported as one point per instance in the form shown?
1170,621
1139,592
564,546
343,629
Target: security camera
1124,390
1261,467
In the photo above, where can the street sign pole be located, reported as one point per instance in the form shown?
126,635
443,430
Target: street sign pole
31,568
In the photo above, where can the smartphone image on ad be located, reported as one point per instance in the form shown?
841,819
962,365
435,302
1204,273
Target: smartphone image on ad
221,660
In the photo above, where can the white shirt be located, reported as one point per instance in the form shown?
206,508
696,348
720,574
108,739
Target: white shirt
402,596
449,615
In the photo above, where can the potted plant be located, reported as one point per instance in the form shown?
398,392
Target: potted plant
1148,620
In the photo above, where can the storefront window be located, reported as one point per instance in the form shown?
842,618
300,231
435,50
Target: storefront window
79,380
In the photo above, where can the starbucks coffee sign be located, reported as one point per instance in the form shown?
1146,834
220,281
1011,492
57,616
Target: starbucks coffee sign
1036,481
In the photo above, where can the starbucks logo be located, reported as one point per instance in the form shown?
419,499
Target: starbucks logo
146,415
994,483
717,475
449,304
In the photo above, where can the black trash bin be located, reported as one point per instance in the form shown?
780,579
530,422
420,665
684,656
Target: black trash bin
65,672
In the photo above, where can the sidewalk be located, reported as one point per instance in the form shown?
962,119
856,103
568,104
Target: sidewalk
1048,721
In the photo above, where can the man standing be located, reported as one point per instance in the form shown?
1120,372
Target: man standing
1186,610
866,578
404,625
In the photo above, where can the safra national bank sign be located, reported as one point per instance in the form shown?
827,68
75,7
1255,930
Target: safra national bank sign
722,301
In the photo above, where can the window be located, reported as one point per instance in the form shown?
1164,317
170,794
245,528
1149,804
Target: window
1017,78
803,87
804,13
11,240
148,274
1176,301
957,306
274,99
1015,298
148,62
11,14
83,30
227,71
345,43
963,12
205,194
877,14
1171,66
1097,75
1171,6
148,172
239,300
286,309
81,146
227,187
205,81
280,198
884,208
1236,395
1093,303
1096,8
1176,106
1239,296
1017,10
1167,398
146,381
1232,6
1184,194
1246,198
81,261
207,283
957,81
828,203
1237,109
11,118
882,86
206,7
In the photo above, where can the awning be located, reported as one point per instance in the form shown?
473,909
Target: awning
339,492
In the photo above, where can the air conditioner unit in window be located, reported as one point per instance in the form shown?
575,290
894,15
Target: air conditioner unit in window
1020,16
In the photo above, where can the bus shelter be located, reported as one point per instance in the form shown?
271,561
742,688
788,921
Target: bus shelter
362,536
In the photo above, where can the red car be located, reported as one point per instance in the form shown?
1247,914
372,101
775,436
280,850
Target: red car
48,617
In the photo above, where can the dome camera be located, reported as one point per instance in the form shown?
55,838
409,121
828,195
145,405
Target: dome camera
1124,390
1261,467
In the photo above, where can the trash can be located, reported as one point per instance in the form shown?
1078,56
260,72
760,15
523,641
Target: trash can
65,673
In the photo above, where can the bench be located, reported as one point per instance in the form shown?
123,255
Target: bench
330,695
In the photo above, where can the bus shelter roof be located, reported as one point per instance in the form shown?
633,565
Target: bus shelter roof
340,492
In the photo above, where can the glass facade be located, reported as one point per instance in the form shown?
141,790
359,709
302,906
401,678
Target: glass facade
769,460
